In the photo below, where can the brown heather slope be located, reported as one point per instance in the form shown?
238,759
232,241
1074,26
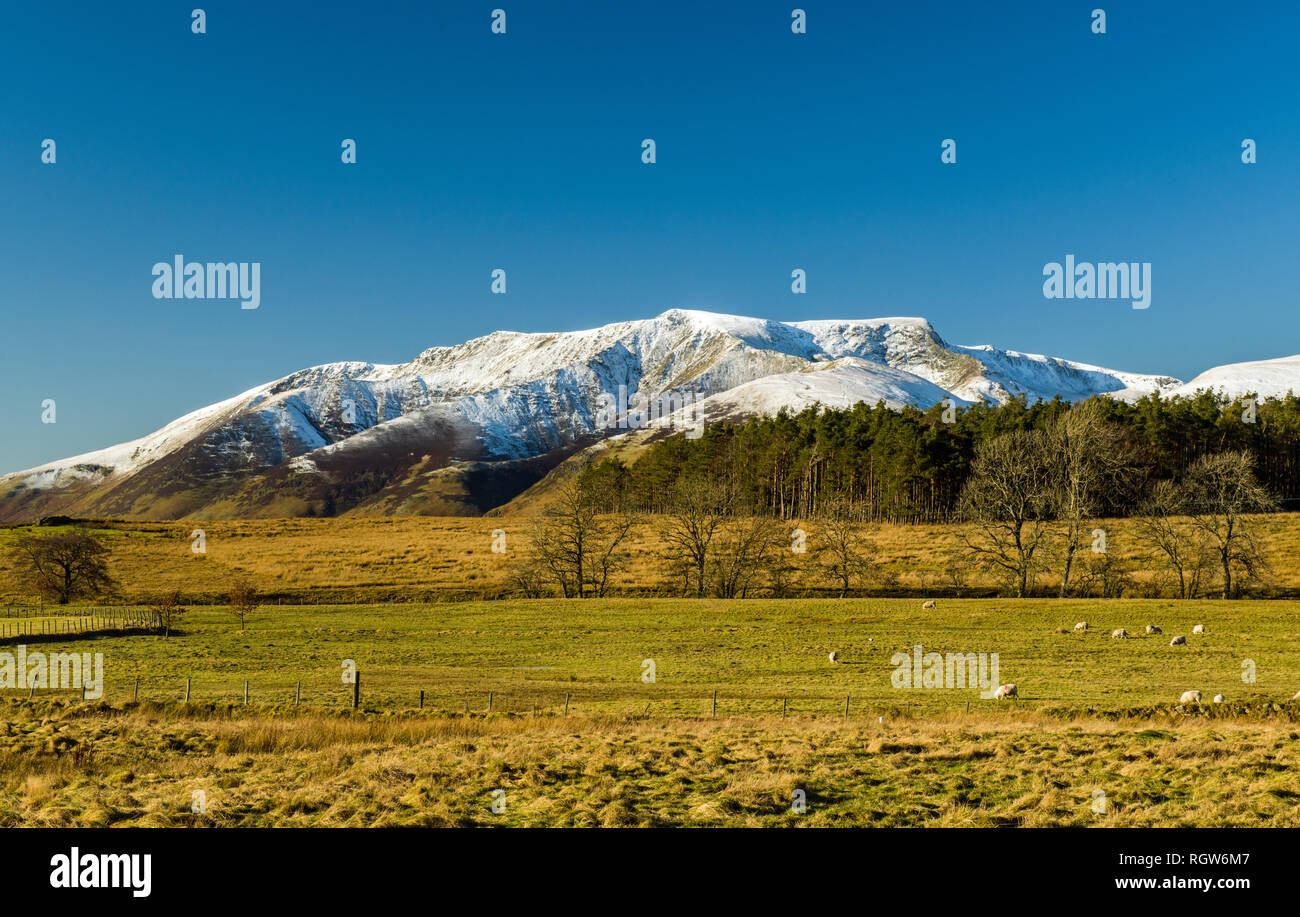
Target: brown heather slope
366,479
410,558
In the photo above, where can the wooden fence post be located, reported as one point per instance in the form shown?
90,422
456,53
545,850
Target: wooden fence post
489,710
245,690
566,704
297,694
356,689
421,700
783,703
137,687
846,706
187,690
714,712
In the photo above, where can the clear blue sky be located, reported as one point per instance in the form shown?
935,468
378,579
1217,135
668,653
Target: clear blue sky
522,151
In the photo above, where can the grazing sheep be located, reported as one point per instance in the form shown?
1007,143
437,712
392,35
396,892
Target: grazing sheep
1082,625
1154,629
1219,698
1178,641
1119,632
834,658
1198,629
928,604
1007,691
1190,697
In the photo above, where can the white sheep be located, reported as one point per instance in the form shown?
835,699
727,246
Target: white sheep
1082,625
834,657
1219,698
1190,697
1198,629
1154,629
928,604
1119,632
1178,641
1007,691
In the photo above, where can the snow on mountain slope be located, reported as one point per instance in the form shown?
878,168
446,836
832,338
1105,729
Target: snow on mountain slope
1263,378
350,429
838,384
974,373
130,456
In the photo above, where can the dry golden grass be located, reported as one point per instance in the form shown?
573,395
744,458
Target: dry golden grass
1098,714
67,765
424,558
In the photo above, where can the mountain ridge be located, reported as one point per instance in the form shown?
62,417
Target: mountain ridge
499,410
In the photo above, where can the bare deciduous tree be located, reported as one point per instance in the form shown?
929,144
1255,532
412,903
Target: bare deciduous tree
1008,500
1161,523
744,549
64,566
1105,576
243,600
698,508
528,578
847,554
166,613
576,544
1219,493
1091,460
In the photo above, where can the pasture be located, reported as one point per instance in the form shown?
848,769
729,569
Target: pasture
1095,714
754,653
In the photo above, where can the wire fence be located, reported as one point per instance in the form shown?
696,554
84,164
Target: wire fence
221,694
375,695
31,622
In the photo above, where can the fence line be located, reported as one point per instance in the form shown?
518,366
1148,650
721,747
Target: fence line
340,697
18,610
73,622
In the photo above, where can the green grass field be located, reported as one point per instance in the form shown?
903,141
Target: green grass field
1096,714
754,653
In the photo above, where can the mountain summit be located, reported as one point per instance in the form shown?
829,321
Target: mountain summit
465,428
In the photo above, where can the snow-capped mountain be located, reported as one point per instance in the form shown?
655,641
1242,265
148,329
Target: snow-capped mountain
464,428
1262,378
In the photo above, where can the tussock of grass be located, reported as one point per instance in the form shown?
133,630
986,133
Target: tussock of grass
279,767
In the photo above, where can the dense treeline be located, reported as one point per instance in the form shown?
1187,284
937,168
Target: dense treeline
911,465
